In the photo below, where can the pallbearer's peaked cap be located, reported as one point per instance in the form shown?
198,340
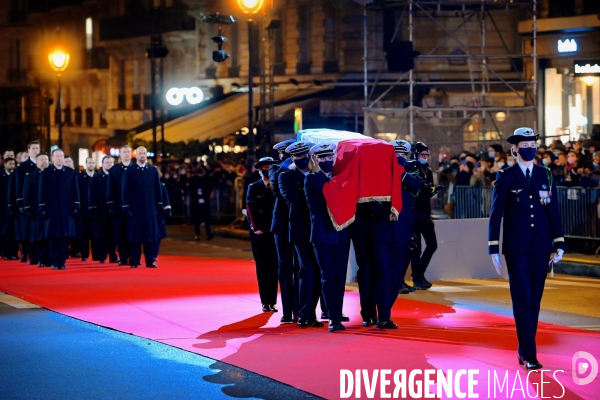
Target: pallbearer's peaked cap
522,135
401,146
281,146
323,150
299,148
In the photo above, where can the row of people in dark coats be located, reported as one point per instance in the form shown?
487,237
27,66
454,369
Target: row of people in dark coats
123,205
293,238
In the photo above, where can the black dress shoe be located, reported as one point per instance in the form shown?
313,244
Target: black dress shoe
420,285
304,323
529,365
84,259
367,323
286,320
324,315
389,324
151,266
102,261
266,308
344,318
272,308
55,267
30,262
426,282
405,288
23,260
63,267
40,265
114,261
135,265
336,327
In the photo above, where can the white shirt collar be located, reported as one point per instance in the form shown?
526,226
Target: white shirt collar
90,175
142,165
524,168
105,171
32,160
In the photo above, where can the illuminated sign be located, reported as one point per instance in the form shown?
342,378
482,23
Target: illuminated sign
567,46
586,68
193,95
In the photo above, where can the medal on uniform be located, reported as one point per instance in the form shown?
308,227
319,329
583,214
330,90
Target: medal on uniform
545,196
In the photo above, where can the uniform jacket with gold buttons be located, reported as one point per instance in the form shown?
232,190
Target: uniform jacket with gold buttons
530,227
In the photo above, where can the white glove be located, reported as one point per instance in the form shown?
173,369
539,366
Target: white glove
258,232
497,263
558,256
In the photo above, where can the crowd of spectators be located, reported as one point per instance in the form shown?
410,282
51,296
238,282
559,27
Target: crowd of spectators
575,163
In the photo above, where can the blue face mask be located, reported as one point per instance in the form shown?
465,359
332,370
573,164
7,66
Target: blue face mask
492,154
401,160
301,163
596,165
326,166
422,160
527,153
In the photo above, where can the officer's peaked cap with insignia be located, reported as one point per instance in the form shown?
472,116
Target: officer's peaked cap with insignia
323,150
401,146
264,161
522,135
299,148
281,146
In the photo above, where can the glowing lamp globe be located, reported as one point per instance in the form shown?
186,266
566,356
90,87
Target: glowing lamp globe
250,6
59,60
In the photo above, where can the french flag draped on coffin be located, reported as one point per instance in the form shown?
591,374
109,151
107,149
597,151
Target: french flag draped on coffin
365,170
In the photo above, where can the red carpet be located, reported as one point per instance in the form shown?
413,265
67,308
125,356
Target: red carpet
211,307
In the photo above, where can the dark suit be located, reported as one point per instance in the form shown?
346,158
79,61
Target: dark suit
423,224
199,189
291,186
119,222
21,220
162,223
365,259
83,222
58,204
102,222
531,232
142,205
36,226
332,248
8,246
259,204
391,241
286,258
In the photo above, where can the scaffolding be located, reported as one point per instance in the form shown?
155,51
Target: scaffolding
463,50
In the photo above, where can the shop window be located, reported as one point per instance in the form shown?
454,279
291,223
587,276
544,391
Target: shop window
137,101
78,116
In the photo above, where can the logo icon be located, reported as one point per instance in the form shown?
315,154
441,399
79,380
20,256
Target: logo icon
579,367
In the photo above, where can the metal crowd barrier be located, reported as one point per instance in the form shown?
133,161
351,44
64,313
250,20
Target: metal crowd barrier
579,208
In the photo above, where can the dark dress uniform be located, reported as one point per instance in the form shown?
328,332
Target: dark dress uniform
162,223
142,205
119,222
423,226
83,223
58,205
31,196
259,204
332,248
102,222
8,245
286,258
532,231
365,259
21,220
291,186
200,188
391,242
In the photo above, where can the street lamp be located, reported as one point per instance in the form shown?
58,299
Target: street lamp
59,61
250,7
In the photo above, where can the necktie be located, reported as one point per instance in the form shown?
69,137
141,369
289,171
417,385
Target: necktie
528,178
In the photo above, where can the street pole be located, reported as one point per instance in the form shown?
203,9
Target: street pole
250,161
153,102
59,105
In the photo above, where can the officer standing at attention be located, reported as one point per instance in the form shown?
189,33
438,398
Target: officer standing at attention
102,223
291,186
83,224
58,206
113,195
411,186
16,201
142,205
525,196
259,205
31,196
332,248
423,223
9,248
287,260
